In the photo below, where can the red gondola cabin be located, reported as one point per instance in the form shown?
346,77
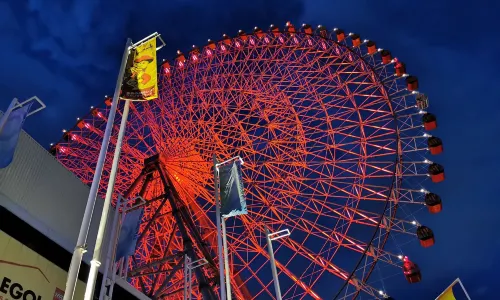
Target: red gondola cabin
437,172
386,56
340,35
356,40
435,145
430,121
411,271
434,203
400,68
372,47
412,83
426,236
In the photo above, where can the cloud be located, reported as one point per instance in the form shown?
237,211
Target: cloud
68,52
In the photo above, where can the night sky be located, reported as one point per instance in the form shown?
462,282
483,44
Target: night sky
67,53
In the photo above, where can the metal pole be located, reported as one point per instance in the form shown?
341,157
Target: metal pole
273,265
226,260
113,278
190,279
5,116
95,263
185,276
111,247
463,288
219,235
81,244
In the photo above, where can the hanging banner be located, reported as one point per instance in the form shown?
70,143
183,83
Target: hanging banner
455,291
140,82
9,135
129,234
24,274
233,202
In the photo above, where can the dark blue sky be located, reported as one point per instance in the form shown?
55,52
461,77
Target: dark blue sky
67,53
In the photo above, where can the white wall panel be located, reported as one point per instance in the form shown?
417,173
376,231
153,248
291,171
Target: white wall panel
39,190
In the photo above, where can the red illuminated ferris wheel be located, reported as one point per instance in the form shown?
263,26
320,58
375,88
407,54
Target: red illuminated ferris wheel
332,130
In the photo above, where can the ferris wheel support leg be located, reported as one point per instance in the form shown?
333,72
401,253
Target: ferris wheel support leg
81,246
204,287
219,233
96,259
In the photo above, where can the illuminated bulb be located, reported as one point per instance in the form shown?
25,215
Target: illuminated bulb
255,28
414,222
426,135
178,51
91,107
364,41
194,46
78,119
422,190
381,292
64,130
420,111
400,256
350,33
335,28
51,144
426,161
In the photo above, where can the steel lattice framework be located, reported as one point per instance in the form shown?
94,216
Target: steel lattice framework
333,144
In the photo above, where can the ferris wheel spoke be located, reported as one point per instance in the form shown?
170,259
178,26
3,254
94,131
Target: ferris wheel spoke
327,266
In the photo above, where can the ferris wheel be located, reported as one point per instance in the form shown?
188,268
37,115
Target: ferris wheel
334,135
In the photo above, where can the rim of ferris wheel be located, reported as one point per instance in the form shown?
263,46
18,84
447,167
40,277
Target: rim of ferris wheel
395,93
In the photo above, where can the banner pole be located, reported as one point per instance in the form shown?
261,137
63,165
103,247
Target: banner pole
463,288
273,265
81,243
96,260
219,235
226,260
111,247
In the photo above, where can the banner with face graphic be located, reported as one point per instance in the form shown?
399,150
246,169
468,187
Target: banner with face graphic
140,82
24,274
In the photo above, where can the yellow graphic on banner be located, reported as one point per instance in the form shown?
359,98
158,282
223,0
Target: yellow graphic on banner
140,82
24,274
448,294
